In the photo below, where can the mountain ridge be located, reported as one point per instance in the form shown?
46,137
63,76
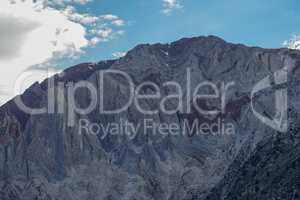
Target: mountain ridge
49,156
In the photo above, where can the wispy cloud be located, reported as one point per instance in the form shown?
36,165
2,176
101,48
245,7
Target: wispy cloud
119,54
293,43
60,2
101,28
171,5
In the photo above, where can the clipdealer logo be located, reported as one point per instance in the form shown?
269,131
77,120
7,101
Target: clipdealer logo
57,100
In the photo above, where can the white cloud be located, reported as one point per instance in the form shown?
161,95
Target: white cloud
105,33
102,35
64,2
119,54
170,5
84,19
101,28
36,33
94,41
113,19
293,43
109,17
38,39
13,32
77,1
118,22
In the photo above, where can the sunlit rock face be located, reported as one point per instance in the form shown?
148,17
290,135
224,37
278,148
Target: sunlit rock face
50,156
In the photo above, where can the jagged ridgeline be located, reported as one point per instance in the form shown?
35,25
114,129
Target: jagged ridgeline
43,156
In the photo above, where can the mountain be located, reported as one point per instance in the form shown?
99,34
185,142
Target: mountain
50,156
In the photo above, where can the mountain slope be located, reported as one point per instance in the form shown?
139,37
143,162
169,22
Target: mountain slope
51,159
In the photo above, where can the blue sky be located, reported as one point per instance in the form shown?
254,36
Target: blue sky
262,23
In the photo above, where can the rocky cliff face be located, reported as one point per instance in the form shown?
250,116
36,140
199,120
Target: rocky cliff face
45,157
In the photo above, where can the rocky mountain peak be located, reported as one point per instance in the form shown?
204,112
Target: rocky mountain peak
47,150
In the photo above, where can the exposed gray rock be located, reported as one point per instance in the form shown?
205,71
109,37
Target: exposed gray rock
50,160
